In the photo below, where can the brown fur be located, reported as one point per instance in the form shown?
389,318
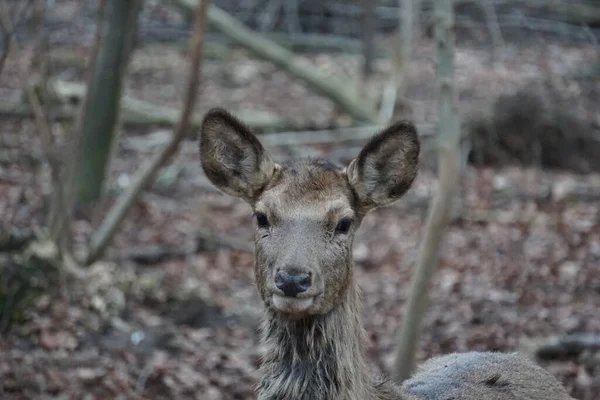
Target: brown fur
314,340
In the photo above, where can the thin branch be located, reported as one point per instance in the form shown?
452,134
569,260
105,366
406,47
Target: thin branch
40,118
439,212
291,15
116,214
489,10
269,14
8,32
388,101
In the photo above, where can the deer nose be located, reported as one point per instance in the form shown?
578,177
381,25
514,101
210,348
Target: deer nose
292,284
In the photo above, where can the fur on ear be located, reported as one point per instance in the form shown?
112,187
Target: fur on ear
232,157
386,167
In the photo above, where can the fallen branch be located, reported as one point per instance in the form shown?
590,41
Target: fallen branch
154,254
116,214
320,43
295,138
208,241
286,60
576,13
133,111
569,346
587,14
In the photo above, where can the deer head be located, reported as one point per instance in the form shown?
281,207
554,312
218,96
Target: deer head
306,212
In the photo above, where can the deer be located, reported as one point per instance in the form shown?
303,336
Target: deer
305,215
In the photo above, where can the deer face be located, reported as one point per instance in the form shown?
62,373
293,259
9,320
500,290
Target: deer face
306,212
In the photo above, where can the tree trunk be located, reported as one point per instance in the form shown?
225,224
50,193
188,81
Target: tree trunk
101,112
404,44
60,209
448,171
394,90
101,238
368,39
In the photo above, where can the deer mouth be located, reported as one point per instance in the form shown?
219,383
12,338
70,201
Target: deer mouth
292,305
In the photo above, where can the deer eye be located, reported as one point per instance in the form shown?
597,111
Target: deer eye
344,225
261,220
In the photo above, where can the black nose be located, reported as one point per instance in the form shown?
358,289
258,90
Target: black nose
291,285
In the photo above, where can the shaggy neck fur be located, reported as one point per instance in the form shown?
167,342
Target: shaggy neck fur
319,358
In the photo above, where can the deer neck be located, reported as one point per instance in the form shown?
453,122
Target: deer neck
316,358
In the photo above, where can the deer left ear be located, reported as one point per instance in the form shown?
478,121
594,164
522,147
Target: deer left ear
386,167
232,157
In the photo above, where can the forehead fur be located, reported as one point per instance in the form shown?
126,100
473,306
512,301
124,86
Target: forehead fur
303,180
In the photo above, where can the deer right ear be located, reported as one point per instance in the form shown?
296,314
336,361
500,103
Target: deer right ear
232,157
386,167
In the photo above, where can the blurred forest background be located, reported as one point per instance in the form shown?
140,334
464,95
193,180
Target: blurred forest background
124,273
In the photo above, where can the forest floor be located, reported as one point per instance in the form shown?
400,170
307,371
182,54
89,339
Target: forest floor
519,263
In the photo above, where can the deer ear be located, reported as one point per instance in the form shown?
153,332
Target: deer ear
232,157
386,167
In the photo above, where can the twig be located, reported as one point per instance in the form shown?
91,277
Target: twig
116,214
